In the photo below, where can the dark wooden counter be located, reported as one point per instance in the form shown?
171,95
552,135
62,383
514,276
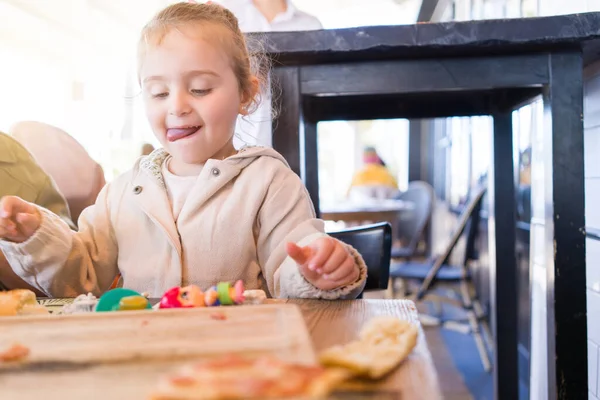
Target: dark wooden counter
468,68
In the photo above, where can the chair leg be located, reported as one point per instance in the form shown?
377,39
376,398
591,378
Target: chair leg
393,287
437,308
474,323
399,292
485,327
389,292
429,320
479,342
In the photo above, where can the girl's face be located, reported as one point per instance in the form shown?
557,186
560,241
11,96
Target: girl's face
192,99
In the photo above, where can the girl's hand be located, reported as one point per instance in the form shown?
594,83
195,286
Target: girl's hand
326,263
19,219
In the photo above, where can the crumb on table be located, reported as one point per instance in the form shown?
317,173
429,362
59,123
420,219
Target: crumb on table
14,353
219,316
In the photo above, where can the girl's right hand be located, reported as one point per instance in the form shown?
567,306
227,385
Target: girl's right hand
19,219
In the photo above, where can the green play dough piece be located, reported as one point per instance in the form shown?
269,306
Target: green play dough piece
109,301
223,293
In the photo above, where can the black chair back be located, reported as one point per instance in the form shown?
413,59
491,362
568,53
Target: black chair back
411,224
374,243
524,203
468,222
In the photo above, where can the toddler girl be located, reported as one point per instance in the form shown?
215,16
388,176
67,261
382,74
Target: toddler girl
196,211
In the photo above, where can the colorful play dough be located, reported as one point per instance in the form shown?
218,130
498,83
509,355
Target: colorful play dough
191,296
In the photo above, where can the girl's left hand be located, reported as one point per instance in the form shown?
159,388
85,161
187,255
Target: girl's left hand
326,263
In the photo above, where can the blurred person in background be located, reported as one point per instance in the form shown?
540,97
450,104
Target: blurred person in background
78,177
270,16
373,180
265,16
21,176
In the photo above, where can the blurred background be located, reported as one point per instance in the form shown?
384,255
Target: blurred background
70,63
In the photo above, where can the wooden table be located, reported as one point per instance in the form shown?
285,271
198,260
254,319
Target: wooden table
384,210
388,211
336,322
328,322
360,215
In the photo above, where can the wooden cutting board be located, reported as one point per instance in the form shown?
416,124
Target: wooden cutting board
121,355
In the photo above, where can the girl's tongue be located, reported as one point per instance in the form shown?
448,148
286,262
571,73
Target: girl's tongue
174,134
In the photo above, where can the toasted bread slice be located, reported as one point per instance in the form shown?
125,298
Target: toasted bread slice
383,344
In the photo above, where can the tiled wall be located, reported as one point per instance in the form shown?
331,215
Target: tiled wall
592,214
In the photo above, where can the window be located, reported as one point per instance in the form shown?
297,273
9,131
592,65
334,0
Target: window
340,147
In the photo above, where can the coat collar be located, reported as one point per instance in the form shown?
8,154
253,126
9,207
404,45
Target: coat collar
152,163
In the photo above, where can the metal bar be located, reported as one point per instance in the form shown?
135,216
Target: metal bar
564,223
286,127
425,75
503,268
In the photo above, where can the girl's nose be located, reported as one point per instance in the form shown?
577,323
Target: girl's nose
179,104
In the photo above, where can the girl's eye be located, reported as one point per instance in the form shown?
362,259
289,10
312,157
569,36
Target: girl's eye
201,92
159,95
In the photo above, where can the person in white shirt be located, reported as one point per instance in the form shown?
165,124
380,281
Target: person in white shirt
265,16
270,16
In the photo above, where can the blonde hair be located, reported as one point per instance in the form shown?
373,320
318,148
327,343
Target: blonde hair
246,65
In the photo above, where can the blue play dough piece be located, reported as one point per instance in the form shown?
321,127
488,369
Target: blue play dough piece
217,302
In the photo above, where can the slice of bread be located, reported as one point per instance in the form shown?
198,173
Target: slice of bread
384,342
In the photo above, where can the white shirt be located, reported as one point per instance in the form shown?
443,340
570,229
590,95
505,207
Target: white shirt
255,129
178,188
251,19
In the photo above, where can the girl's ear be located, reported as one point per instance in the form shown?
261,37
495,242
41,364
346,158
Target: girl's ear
248,97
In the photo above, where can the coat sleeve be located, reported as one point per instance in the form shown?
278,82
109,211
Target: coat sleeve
287,215
64,263
51,199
